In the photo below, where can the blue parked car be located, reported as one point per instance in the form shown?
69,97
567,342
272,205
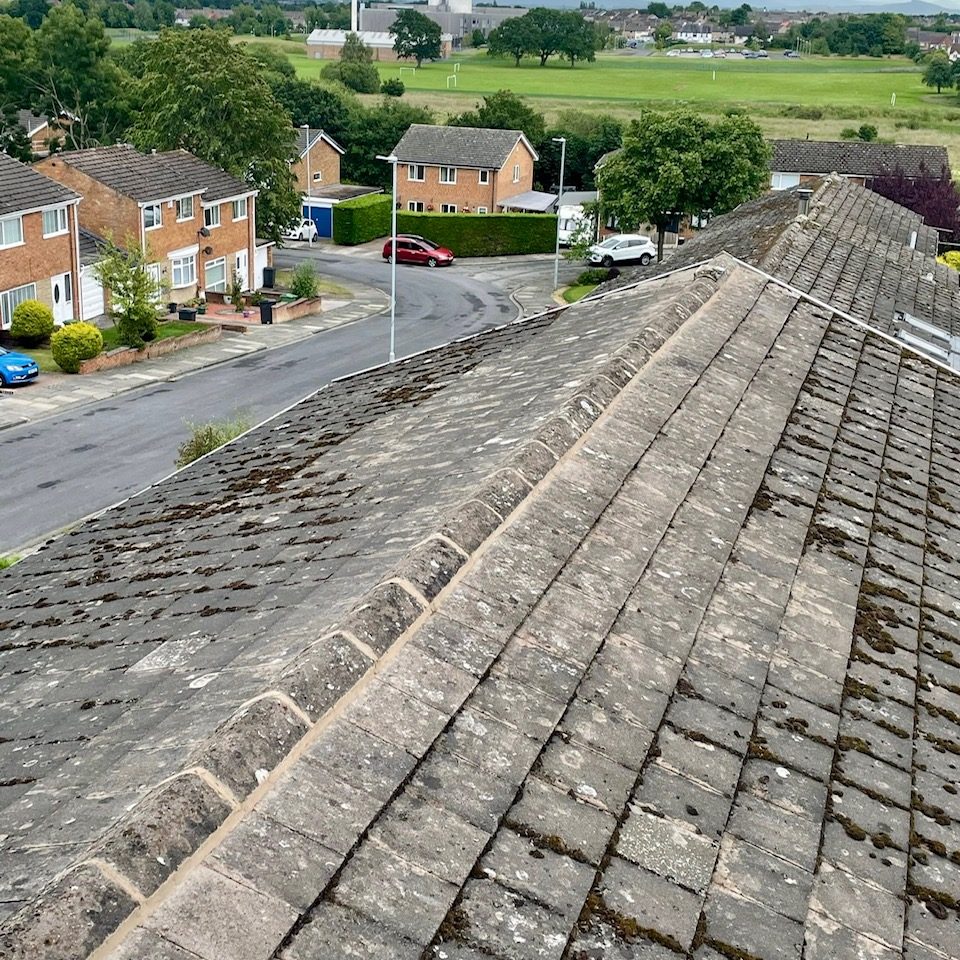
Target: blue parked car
16,368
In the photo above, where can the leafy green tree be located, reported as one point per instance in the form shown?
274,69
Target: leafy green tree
662,35
14,39
230,119
14,141
516,37
416,37
69,72
549,25
578,39
939,72
478,38
32,12
355,68
658,9
323,107
133,291
377,131
274,63
679,163
589,136
504,110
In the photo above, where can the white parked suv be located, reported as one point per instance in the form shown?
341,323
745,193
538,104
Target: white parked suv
304,230
622,248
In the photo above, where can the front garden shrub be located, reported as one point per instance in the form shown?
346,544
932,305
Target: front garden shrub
476,235
207,437
75,343
362,219
304,282
32,323
597,275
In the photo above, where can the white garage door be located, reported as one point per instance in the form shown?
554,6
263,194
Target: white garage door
92,294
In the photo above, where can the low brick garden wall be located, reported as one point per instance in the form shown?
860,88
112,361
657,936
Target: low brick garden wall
124,356
294,309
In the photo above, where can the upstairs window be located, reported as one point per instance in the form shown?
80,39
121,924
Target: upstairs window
54,222
516,173
240,209
448,174
185,208
415,171
152,217
211,216
483,177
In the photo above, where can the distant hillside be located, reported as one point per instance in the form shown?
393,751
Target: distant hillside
910,8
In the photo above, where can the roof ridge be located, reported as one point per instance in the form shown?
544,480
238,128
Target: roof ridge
140,850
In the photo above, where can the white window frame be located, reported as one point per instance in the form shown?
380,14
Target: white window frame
216,287
318,176
181,205
240,203
60,213
448,208
481,209
416,172
516,173
483,177
158,220
8,303
415,206
784,181
448,175
5,225
179,265
211,217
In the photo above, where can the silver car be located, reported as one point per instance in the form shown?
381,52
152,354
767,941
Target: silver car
622,248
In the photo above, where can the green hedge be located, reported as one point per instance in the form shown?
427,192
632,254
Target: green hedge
482,235
361,219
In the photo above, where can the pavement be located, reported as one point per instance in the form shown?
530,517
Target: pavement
527,280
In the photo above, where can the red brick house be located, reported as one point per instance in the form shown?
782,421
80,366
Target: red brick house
462,169
195,221
39,258
317,162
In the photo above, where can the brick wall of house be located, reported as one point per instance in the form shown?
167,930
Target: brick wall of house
231,237
505,186
467,192
102,210
323,160
40,258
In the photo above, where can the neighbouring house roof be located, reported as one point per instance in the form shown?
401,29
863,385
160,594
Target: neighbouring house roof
534,201
91,246
574,198
31,122
481,147
340,191
153,176
23,188
856,158
629,630
310,137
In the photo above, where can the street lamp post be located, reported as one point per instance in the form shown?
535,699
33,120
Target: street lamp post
392,160
306,128
556,253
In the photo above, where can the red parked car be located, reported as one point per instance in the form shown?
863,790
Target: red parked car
414,249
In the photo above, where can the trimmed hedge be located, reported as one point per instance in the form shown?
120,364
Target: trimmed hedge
361,219
482,235
32,323
74,343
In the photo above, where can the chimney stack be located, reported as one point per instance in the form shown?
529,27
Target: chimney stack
803,201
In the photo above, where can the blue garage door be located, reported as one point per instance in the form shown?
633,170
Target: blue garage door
322,217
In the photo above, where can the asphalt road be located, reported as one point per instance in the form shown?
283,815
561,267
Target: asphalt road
59,470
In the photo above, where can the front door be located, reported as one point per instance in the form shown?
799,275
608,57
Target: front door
240,265
62,291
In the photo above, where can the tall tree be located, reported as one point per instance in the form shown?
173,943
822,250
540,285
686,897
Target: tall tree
14,39
201,93
679,163
578,39
939,71
549,25
70,73
329,108
416,37
376,132
504,110
32,12
354,69
516,37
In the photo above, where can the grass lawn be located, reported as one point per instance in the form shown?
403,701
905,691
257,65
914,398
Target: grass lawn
324,287
44,356
578,291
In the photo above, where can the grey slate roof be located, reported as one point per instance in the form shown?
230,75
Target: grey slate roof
23,188
457,146
91,244
31,122
305,137
663,599
154,176
856,158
